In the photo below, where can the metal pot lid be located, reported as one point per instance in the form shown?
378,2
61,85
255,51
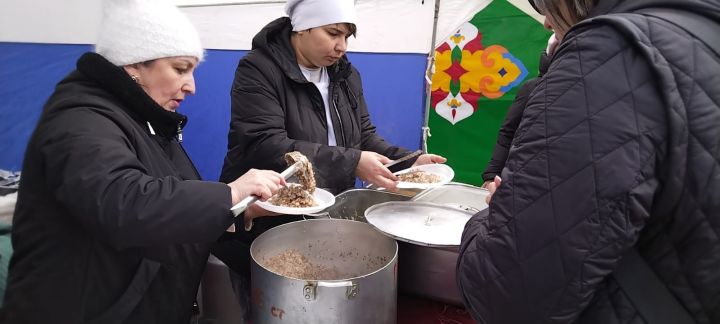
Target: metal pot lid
421,223
460,195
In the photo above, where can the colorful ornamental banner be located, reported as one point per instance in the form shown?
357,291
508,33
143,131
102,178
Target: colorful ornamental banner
465,71
478,70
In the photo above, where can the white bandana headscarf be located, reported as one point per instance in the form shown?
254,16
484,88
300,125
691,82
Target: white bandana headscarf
306,14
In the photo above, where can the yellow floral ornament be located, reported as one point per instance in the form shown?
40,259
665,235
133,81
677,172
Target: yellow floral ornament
457,86
490,72
441,79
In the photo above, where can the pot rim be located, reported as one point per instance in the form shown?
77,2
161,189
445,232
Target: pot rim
393,260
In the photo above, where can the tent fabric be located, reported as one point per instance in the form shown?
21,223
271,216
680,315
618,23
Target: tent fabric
28,74
232,24
477,73
390,51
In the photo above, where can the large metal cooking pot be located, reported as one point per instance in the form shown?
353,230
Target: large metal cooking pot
424,271
430,271
368,293
428,236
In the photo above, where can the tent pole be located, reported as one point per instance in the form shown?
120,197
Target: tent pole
428,81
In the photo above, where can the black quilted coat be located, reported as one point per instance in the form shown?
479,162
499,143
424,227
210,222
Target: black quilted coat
619,146
275,110
511,123
112,225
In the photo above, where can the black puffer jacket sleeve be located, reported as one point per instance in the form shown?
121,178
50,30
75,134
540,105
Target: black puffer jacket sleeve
577,187
511,122
507,131
94,171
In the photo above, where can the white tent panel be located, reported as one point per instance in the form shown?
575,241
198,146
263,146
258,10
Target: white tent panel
525,6
200,3
231,27
398,26
50,21
452,14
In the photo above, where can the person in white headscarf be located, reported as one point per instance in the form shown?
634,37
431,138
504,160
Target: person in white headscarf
113,224
297,91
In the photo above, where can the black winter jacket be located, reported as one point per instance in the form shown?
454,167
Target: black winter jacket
275,110
112,224
619,146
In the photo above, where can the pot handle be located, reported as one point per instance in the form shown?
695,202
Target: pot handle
323,214
334,284
351,290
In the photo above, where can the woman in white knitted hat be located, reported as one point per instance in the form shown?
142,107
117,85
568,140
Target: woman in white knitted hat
112,223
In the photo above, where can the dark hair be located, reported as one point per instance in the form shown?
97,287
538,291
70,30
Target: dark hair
576,10
143,63
532,3
352,29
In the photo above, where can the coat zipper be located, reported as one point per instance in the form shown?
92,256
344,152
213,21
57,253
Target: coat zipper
187,156
354,105
342,129
179,134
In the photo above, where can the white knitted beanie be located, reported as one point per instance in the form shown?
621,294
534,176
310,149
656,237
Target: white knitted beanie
306,14
135,31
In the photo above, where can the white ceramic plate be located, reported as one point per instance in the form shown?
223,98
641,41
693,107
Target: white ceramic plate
323,199
442,170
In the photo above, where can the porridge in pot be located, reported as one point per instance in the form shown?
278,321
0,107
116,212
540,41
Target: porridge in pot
294,264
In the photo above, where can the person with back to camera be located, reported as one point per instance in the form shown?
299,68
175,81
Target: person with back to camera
113,224
609,207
